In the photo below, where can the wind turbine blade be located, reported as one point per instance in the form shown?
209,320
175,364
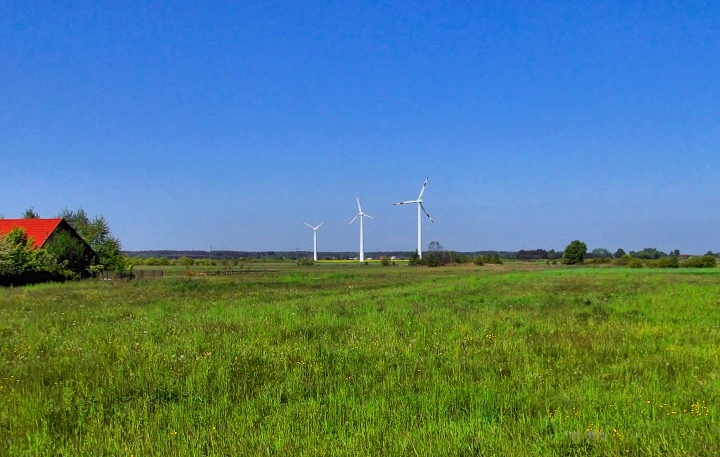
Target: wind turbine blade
321,223
308,225
405,203
358,201
353,220
367,215
422,191
426,213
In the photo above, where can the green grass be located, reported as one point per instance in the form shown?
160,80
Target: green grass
366,360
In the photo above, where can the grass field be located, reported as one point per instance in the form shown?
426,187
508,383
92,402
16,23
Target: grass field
520,359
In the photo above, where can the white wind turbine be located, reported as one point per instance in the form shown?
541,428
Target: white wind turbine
314,238
420,207
361,215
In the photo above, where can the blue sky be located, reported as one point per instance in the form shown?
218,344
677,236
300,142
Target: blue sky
190,125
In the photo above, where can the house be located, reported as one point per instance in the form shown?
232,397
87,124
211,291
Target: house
42,231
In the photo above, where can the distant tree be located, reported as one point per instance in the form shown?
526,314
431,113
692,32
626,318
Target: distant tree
574,252
435,246
675,253
456,257
552,254
619,253
648,254
30,214
537,254
601,253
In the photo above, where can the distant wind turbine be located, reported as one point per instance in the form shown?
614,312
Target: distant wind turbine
361,215
314,238
420,207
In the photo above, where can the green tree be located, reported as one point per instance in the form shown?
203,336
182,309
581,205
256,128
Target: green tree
69,254
17,254
619,253
574,252
96,232
30,214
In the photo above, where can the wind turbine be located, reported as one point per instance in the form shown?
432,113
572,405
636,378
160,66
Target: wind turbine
419,202
361,215
314,238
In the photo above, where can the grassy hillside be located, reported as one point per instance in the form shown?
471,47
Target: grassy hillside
365,360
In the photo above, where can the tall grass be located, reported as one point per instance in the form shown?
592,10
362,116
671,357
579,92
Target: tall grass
365,361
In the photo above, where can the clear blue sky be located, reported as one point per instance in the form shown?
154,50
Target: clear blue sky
191,124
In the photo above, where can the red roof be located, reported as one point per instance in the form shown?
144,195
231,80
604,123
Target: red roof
37,229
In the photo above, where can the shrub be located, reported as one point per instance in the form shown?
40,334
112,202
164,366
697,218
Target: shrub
478,261
414,259
634,263
664,262
306,262
384,261
706,261
432,259
186,261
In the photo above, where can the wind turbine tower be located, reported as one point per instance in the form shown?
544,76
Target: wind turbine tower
314,238
420,209
361,215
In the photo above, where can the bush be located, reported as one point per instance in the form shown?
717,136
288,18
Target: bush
478,261
664,262
432,259
414,259
384,261
706,261
185,261
493,259
634,263
597,260
305,262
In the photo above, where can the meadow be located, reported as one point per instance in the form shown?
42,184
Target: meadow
331,359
